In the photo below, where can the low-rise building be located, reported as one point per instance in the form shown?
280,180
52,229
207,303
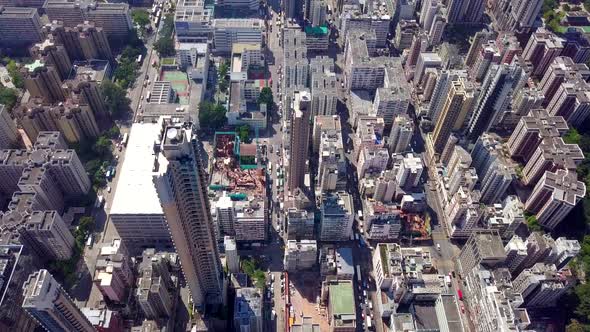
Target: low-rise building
300,255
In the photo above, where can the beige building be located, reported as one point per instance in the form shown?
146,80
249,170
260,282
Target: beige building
182,188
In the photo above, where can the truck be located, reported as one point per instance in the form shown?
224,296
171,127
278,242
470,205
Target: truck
460,294
358,274
125,139
369,322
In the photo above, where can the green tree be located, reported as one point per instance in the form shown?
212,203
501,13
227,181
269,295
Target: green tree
533,224
165,46
17,77
576,326
114,132
211,116
126,72
222,73
103,147
141,17
583,293
244,133
130,53
115,98
266,97
572,136
8,97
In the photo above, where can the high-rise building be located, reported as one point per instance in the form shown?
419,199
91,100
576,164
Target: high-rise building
494,169
248,310
572,101
557,72
541,286
480,38
577,46
154,285
488,55
317,12
441,91
483,247
227,32
43,81
410,171
458,104
402,131
531,130
192,22
563,251
231,254
511,15
295,61
465,11
300,224
182,187
554,196
542,48
85,41
499,85
9,135
19,27
54,55
552,154
113,275
337,215
425,60
516,253
323,86
393,98
113,18
300,255
404,34
47,302
299,144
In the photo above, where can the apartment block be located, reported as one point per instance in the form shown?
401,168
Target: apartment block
113,274
300,255
43,81
463,213
541,286
563,251
571,101
193,22
9,136
495,170
505,217
382,221
558,71
404,34
410,172
300,224
49,304
248,309
299,144
113,18
554,196
85,41
552,154
323,86
402,130
542,48
483,247
155,285
54,55
227,32
337,216
531,130
181,187
19,27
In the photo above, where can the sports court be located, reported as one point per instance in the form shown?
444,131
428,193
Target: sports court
179,82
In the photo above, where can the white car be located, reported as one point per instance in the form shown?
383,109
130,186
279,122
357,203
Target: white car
109,189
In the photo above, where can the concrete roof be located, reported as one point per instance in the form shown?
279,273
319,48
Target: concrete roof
136,193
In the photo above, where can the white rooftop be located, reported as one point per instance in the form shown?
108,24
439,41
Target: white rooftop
136,193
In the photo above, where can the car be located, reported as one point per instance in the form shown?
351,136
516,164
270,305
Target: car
438,246
453,272
109,189
462,308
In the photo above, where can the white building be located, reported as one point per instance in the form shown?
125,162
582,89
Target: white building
300,255
227,32
136,212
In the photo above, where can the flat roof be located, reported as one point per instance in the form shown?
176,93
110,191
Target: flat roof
342,299
136,193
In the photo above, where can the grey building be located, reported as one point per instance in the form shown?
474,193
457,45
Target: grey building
19,26
248,310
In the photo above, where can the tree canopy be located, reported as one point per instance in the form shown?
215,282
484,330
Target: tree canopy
165,43
141,17
244,133
211,116
17,77
222,73
116,99
8,97
266,97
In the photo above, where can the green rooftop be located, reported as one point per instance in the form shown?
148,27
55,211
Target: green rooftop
342,299
36,64
316,30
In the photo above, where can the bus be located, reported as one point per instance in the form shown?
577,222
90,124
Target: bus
125,139
358,274
139,58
